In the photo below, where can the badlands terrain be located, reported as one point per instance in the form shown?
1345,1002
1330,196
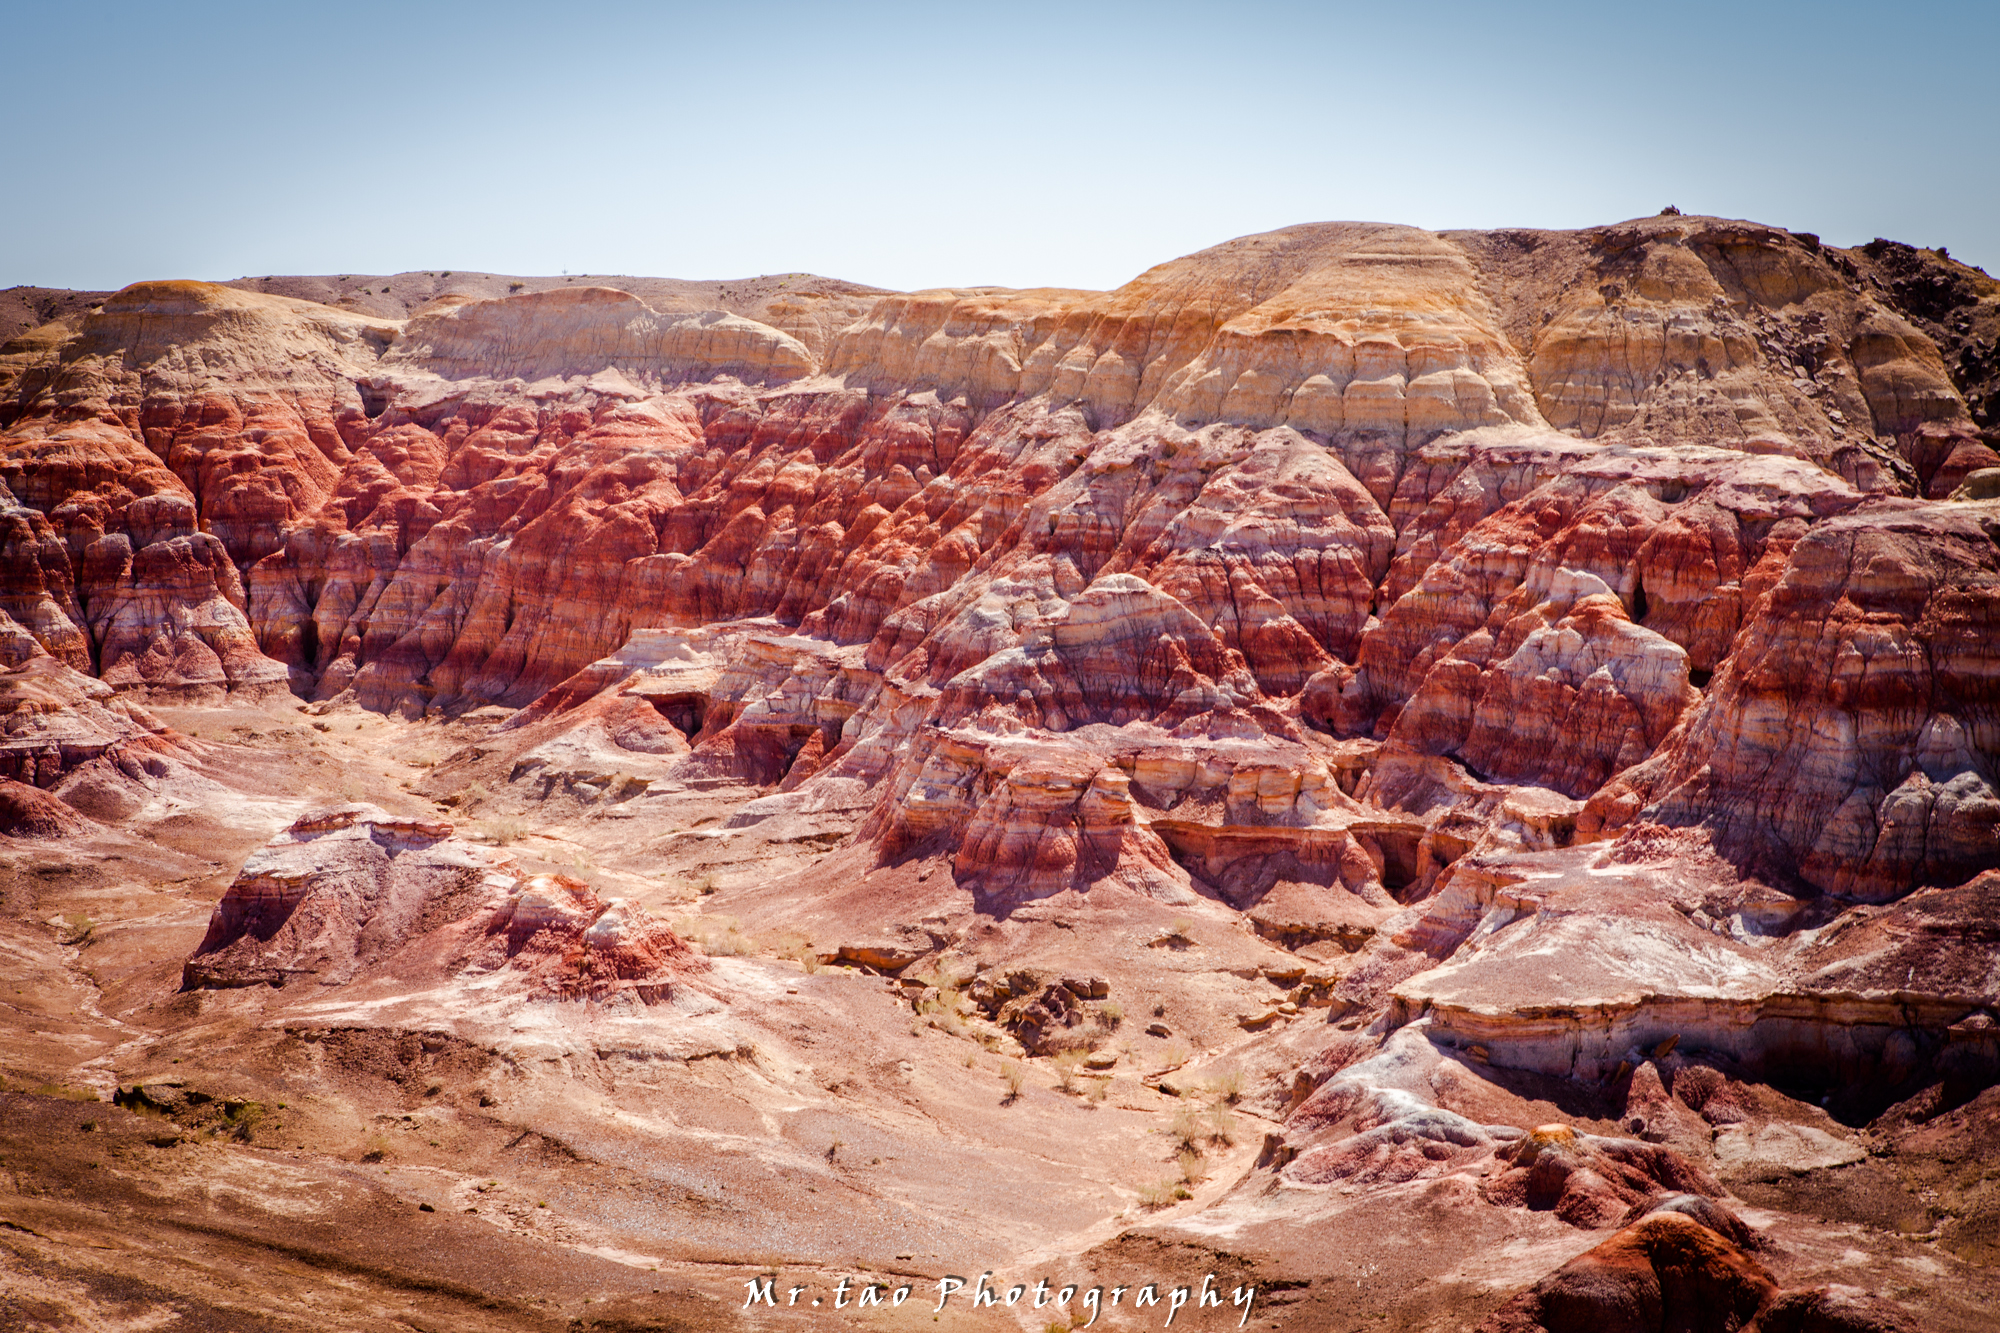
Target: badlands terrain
1365,779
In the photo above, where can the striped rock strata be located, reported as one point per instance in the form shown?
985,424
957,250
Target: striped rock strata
351,890
1532,504
1579,647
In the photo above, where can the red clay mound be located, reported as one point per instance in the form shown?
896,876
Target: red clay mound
1589,1181
26,812
576,946
1664,1272
338,890
342,890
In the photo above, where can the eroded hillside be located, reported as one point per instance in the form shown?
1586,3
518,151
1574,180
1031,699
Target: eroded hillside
1493,731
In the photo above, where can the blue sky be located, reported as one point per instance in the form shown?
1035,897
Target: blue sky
921,145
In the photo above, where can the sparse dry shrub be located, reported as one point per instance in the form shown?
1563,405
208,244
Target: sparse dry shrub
1225,1087
1190,1163
244,1117
798,948
1014,1076
1222,1126
1080,1040
503,832
723,939
716,936
1188,1128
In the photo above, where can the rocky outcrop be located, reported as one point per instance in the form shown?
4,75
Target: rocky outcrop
1686,1268
1958,308
1582,964
55,720
1665,1271
29,812
1558,519
166,445
352,890
574,946
1565,657
588,331
1701,330
1850,737
1687,539
1589,1181
169,620
336,892
1371,1118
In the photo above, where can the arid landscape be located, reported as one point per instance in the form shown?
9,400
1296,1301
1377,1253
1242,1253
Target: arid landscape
1366,779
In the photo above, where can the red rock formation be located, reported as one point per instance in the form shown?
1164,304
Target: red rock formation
1559,639
337,891
55,720
27,812
1589,1182
1665,1271
1302,480
574,946
349,889
1849,737
1683,1267
1054,820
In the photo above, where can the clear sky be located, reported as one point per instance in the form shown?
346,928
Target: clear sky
948,143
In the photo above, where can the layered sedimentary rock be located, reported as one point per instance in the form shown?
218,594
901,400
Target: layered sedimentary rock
1565,659
1706,331
1377,1121
28,812
163,448
348,890
335,892
1581,514
1853,731
592,330
1686,1267
56,720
